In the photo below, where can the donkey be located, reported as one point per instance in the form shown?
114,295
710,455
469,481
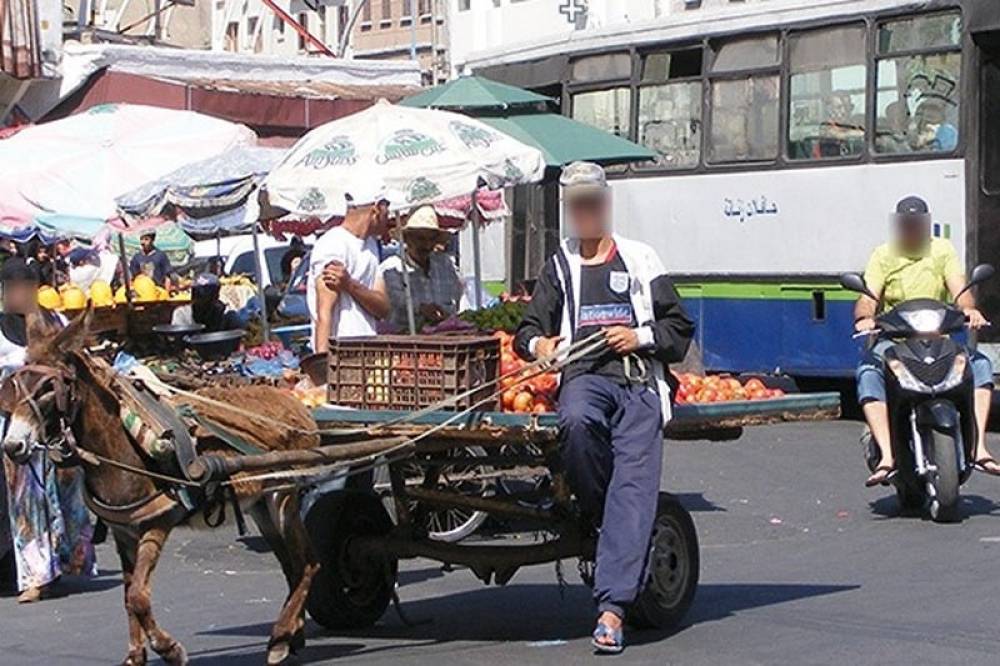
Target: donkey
63,392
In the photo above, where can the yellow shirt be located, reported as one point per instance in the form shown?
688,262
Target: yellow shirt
899,277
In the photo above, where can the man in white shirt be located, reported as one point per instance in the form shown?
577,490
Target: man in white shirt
346,294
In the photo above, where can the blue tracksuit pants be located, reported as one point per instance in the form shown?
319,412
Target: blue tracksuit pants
612,451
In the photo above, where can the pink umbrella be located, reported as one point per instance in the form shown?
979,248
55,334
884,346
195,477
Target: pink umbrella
78,165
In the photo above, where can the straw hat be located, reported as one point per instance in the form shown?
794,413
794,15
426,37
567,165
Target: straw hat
424,218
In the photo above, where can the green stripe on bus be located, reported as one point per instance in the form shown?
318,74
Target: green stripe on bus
764,291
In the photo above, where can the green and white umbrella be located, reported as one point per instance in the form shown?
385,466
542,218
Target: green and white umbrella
408,156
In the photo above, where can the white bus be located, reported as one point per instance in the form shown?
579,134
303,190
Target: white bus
786,132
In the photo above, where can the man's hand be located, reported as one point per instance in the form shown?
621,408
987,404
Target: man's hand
432,313
546,346
336,277
976,318
622,339
864,324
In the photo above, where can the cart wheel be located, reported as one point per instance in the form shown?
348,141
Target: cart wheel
448,525
673,576
349,592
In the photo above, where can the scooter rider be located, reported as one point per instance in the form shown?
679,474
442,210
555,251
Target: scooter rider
915,265
611,417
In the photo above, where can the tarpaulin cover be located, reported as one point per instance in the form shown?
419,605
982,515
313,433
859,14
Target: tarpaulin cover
223,181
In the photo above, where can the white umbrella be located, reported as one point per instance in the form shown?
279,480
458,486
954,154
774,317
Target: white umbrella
409,156
78,165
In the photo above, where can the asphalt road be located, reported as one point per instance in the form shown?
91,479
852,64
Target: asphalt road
800,565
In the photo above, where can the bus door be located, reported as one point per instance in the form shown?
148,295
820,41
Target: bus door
986,165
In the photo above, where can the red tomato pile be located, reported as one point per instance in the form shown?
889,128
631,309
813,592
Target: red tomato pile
536,395
717,388
266,351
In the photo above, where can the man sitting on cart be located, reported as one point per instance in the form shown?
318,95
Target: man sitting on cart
615,400
346,294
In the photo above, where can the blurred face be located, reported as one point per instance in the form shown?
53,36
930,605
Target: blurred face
379,219
19,297
589,216
420,243
42,254
913,231
146,243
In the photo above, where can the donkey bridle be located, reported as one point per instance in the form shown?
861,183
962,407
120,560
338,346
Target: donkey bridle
30,383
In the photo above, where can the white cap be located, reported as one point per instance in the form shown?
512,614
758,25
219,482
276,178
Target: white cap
583,179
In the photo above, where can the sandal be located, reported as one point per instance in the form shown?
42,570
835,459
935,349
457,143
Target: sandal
617,643
881,476
981,465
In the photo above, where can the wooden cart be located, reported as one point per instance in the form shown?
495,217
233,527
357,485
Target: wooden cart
504,466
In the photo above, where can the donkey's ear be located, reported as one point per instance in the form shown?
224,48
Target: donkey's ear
39,327
75,333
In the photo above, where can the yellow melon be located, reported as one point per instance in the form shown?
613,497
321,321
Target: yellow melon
73,297
120,296
49,298
101,294
144,288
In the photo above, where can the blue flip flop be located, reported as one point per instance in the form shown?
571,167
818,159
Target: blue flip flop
617,639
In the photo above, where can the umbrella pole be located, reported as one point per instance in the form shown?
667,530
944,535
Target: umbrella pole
265,325
410,317
477,259
127,277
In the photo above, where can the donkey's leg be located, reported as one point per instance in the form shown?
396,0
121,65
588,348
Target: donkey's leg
127,545
287,634
140,596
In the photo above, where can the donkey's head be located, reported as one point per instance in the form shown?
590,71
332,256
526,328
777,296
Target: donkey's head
41,395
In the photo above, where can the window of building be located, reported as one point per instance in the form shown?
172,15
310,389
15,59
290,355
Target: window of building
670,108
464,5
386,11
827,93
304,22
366,11
602,67
918,83
232,36
252,34
609,110
745,104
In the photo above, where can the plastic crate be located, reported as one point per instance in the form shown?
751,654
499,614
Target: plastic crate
411,372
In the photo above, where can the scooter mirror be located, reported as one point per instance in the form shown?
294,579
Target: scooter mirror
981,273
856,283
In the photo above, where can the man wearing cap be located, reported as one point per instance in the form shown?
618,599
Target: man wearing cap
206,308
615,400
435,285
915,265
347,296
152,261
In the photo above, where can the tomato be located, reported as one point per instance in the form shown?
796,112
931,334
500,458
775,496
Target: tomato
776,393
508,398
731,383
695,381
740,394
708,395
523,402
758,394
755,385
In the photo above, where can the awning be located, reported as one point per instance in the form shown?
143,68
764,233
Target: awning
531,74
982,16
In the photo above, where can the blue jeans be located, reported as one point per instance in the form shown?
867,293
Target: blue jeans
870,374
611,445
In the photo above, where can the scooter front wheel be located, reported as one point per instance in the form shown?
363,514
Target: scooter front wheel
944,482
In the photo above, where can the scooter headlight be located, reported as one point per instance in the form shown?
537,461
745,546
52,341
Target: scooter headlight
955,375
924,321
906,379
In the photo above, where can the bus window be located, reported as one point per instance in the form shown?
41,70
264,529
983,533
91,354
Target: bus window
608,110
745,53
918,94
670,109
744,105
826,113
744,119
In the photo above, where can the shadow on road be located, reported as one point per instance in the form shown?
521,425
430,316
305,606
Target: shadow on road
972,505
518,613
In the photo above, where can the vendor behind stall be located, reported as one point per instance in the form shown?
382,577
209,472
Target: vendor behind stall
435,284
152,261
206,308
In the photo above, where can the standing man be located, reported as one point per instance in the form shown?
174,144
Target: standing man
915,265
435,285
614,402
346,295
152,261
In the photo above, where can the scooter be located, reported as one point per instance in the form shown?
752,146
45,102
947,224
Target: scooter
929,394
